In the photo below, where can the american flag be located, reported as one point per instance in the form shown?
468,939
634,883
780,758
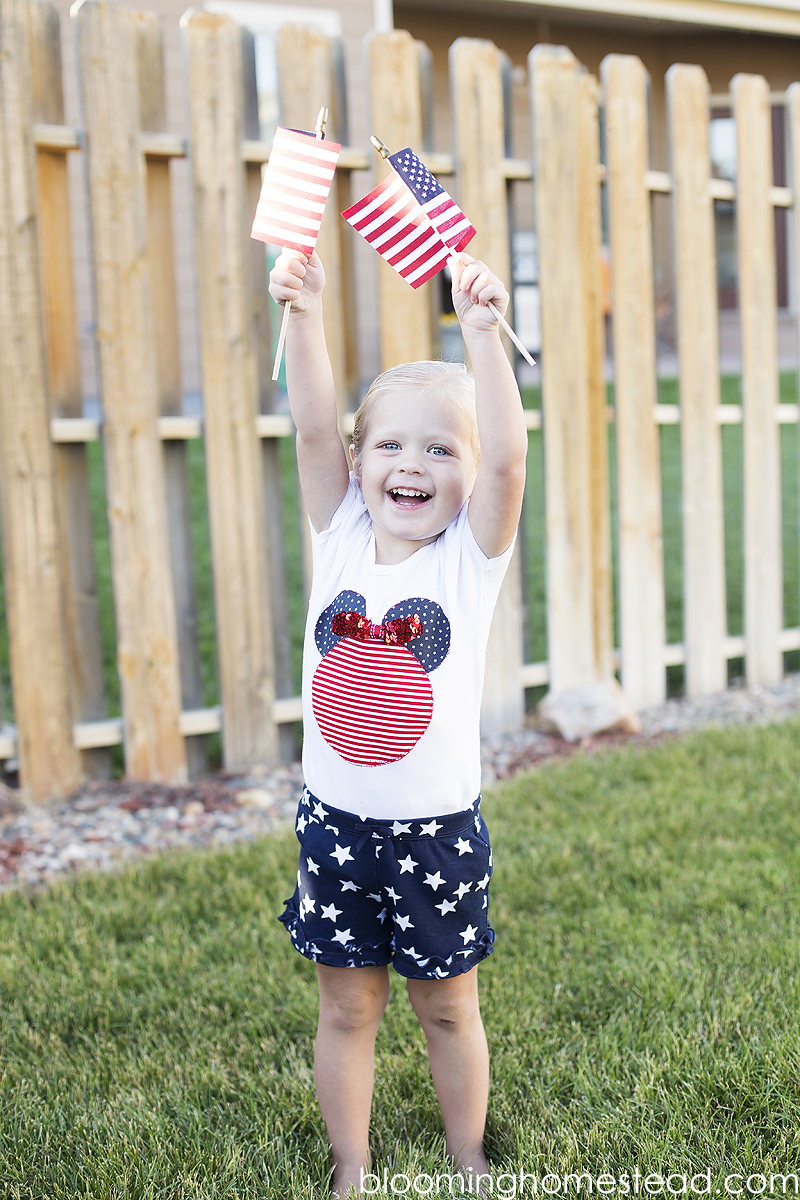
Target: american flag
391,219
439,207
296,183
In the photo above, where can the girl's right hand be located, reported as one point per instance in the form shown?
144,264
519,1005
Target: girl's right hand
297,278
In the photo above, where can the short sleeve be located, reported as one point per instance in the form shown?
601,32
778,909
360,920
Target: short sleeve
478,578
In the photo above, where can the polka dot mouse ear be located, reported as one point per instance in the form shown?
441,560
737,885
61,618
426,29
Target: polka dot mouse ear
324,636
432,646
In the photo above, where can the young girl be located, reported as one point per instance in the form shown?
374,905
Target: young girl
410,550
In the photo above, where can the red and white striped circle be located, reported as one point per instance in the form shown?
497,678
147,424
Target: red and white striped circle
372,701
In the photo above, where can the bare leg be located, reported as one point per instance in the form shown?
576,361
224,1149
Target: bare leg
450,1017
351,1003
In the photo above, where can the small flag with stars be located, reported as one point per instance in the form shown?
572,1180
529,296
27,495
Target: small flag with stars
439,207
391,219
296,184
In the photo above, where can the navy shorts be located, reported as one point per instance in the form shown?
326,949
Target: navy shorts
412,893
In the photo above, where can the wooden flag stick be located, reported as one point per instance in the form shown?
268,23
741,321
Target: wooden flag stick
511,334
319,130
383,150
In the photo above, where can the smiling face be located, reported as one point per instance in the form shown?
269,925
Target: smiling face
416,468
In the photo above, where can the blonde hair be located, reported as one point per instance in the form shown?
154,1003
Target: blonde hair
451,379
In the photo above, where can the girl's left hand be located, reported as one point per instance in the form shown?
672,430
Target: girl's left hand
474,286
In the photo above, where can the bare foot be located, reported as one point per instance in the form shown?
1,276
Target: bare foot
346,1182
474,1168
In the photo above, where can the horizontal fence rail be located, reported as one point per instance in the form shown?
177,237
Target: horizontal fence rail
62,732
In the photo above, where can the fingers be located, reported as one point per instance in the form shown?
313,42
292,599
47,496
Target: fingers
481,285
286,277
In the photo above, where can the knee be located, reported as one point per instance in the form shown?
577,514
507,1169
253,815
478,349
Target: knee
440,1011
354,1007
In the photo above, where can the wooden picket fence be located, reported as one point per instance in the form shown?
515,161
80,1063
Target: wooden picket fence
49,571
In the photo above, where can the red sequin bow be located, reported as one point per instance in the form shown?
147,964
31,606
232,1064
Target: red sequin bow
396,633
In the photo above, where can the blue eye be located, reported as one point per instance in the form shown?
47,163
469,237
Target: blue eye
440,450
390,446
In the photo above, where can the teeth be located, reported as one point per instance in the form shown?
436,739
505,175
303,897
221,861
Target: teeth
408,492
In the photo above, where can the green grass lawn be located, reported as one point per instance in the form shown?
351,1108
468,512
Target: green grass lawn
641,1006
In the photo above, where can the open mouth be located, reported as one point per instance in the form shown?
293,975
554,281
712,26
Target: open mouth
409,497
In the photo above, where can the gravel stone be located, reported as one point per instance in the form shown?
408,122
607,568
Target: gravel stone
107,823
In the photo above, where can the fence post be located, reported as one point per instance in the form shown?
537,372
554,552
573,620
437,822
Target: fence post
590,234
793,147
305,83
49,763
763,550
704,618
641,564
396,113
555,119
76,544
476,76
161,262
147,643
230,391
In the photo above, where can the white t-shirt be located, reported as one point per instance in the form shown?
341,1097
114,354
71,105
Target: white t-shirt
392,730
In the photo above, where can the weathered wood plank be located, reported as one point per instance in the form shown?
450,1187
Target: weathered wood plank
147,643
50,765
153,118
479,129
555,114
476,73
590,234
641,566
763,551
260,310
230,391
704,617
396,106
306,83
63,373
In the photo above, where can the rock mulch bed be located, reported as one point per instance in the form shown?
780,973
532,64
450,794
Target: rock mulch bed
107,823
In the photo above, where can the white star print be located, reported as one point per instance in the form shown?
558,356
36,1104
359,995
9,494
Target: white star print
405,923
440,972
477,823
382,915
349,886
330,912
399,827
468,934
418,959
302,821
391,892
407,864
333,830
435,881
342,854
312,866
374,896
483,882
485,902
446,906
465,953
299,880
462,890
463,847
344,936
430,828
319,811
308,903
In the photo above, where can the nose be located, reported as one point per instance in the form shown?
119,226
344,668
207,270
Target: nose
411,464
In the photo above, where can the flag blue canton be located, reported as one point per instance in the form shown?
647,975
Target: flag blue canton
416,175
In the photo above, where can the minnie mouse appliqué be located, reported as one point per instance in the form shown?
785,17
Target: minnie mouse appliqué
371,694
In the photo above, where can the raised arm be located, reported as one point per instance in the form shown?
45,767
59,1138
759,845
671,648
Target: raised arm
496,501
321,458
